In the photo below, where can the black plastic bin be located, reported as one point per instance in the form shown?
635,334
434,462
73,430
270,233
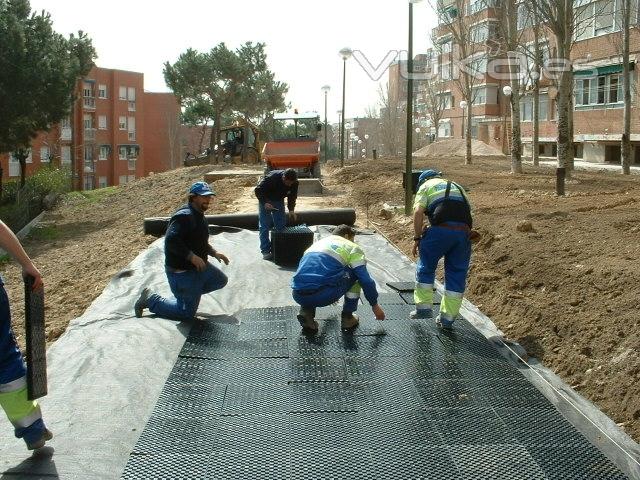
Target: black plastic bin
289,245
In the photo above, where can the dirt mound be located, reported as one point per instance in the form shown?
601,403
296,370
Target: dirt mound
457,148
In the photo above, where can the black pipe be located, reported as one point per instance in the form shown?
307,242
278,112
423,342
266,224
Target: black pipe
157,226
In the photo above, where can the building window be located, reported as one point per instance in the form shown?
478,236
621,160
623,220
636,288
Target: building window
122,123
444,129
65,155
603,13
66,122
445,71
476,6
102,182
131,127
88,182
44,154
104,152
122,93
87,122
525,16
615,89
132,164
478,65
526,109
102,122
600,90
102,91
88,154
482,32
122,153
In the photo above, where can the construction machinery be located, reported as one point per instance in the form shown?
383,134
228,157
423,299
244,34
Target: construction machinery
240,142
294,144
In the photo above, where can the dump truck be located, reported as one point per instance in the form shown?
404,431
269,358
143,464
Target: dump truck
294,144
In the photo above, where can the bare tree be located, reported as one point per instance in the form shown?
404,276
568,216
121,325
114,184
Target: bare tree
392,126
435,95
467,57
510,38
173,132
625,146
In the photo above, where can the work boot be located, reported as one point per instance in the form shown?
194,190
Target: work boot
349,321
142,302
306,319
421,313
46,435
444,323
267,256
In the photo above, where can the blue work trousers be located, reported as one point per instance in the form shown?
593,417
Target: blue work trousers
187,288
268,219
329,294
455,247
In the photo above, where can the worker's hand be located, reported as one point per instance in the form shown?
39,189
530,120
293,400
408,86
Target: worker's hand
221,257
378,312
293,216
37,276
197,262
416,247
268,206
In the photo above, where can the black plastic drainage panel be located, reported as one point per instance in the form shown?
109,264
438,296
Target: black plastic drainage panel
397,399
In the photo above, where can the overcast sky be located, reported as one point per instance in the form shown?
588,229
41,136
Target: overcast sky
303,39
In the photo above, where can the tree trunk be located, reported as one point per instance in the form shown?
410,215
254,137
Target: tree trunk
215,137
1,172
625,147
516,136
467,153
536,123
21,154
564,127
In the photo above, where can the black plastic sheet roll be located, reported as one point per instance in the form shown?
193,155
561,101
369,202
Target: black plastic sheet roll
157,226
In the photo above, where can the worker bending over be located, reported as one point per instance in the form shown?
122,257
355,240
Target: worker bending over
333,267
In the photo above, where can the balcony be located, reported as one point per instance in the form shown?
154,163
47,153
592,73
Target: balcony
65,134
89,134
132,136
89,103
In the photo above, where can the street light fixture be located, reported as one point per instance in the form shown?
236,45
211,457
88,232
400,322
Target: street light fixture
408,194
325,89
345,53
463,106
366,143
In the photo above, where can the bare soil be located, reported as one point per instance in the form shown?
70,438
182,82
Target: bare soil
567,286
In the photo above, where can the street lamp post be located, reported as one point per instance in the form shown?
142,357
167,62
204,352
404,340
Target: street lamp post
325,89
463,106
418,136
408,194
339,112
366,144
345,53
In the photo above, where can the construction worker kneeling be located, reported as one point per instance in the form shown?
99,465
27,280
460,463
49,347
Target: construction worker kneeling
449,235
333,267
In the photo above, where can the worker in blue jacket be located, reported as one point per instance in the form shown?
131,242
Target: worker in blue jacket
186,253
333,267
448,210
271,191
23,413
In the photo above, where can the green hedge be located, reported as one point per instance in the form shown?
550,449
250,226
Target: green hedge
19,206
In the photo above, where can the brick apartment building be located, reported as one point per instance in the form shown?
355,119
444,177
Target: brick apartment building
116,132
598,102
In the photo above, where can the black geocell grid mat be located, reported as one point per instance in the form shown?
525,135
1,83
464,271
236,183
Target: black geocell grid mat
397,399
